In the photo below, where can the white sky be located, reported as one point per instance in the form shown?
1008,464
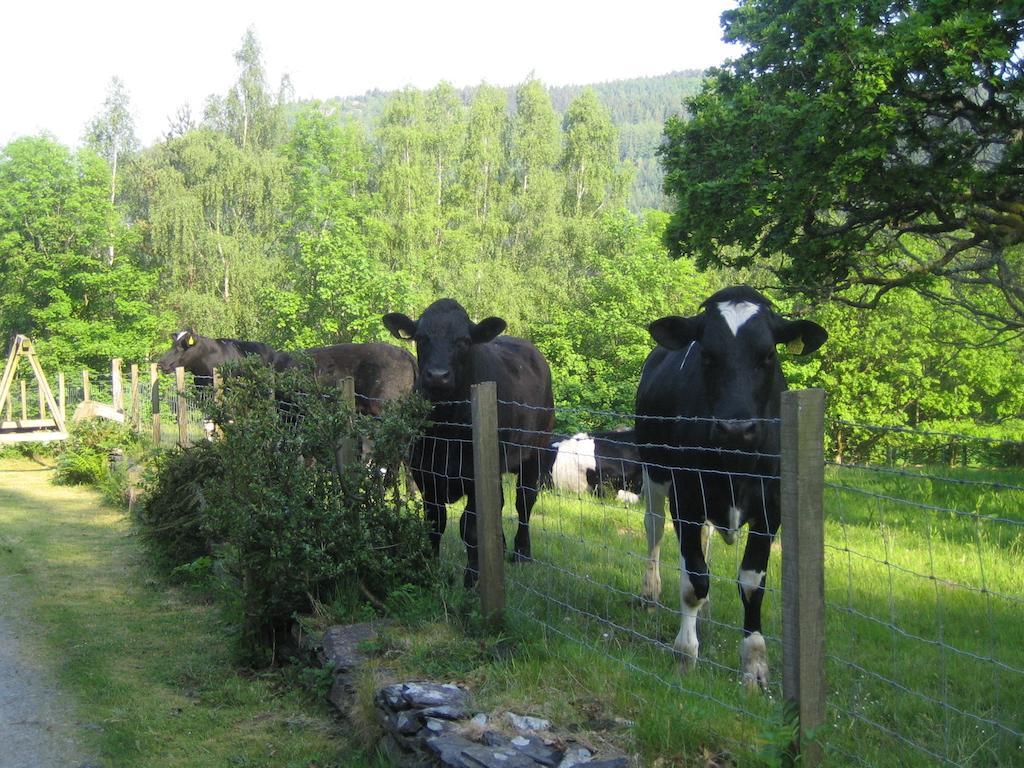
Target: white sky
58,57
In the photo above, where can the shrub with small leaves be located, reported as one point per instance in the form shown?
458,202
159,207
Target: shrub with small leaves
84,459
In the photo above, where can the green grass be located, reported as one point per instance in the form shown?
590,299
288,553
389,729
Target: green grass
924,626
150,669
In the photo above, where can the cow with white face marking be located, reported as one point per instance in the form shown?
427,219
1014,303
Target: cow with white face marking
452,354
707,424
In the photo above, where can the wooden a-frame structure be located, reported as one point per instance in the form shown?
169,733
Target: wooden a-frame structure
25,430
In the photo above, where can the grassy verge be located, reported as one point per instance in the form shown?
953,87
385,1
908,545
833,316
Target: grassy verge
150,669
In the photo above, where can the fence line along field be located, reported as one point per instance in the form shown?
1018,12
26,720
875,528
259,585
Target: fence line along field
923,606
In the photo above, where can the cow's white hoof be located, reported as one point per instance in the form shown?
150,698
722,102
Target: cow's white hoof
754,662
687,647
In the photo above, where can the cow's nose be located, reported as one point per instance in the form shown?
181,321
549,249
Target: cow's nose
437,377
736,433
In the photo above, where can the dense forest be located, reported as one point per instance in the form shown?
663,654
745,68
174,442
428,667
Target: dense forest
638,108
300,224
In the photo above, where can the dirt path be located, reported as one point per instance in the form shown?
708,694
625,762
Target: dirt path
37,722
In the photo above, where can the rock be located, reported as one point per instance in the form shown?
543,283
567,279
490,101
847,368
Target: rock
615,762
421,695
435,726
406,724
339,648
445,712
496,757
575,756
537,750
448,750
527,723
479,720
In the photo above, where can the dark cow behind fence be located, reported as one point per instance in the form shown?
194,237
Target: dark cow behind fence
707,425
200,355
453,353
592,461
381,372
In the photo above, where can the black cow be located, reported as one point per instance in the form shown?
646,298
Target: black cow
199,355
381,371
589,461
707,425
454,353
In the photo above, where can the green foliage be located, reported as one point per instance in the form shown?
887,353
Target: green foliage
844,137
84,458
267,502
57,285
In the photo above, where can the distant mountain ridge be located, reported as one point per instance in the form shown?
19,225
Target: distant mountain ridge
638,107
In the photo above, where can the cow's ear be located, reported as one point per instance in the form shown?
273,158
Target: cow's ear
674,332
487,329
401,326
801,337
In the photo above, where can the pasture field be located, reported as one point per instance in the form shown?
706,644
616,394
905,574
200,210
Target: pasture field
924,598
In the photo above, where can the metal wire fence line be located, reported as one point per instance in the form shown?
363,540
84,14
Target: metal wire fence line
923,587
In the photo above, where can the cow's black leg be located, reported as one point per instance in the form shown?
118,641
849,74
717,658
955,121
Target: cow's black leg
693,571
526,496
753,655
467,528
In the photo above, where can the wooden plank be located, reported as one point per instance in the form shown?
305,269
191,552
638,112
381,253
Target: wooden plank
487,492
179,381
29,424
86,391
61,397
348,449
23,385
154,399
803,566
116,384
135,408
42,399
32,437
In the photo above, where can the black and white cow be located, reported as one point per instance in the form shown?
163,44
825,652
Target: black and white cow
453,353
707,424
590,461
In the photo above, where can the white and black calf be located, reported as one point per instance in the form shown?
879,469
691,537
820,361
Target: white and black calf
707,425
591,461
452,354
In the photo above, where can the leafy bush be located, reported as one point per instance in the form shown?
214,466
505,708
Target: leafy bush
84,459
283,522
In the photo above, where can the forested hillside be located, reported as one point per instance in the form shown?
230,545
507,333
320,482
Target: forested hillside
297,225
638,108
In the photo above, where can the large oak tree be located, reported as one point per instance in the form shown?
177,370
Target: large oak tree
857,147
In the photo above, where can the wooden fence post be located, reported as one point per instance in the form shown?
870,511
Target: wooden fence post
61,402
218,394
135,411
154,384
179,380
116,385
487,490
803,566
347,446
86,394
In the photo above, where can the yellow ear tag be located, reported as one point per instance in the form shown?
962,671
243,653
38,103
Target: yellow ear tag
192,340
796,346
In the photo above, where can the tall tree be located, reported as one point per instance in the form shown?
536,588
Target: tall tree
534,144
483,160
857,148
250,113
111,134
56,285
595,181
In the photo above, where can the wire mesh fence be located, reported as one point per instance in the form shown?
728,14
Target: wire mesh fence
924,592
